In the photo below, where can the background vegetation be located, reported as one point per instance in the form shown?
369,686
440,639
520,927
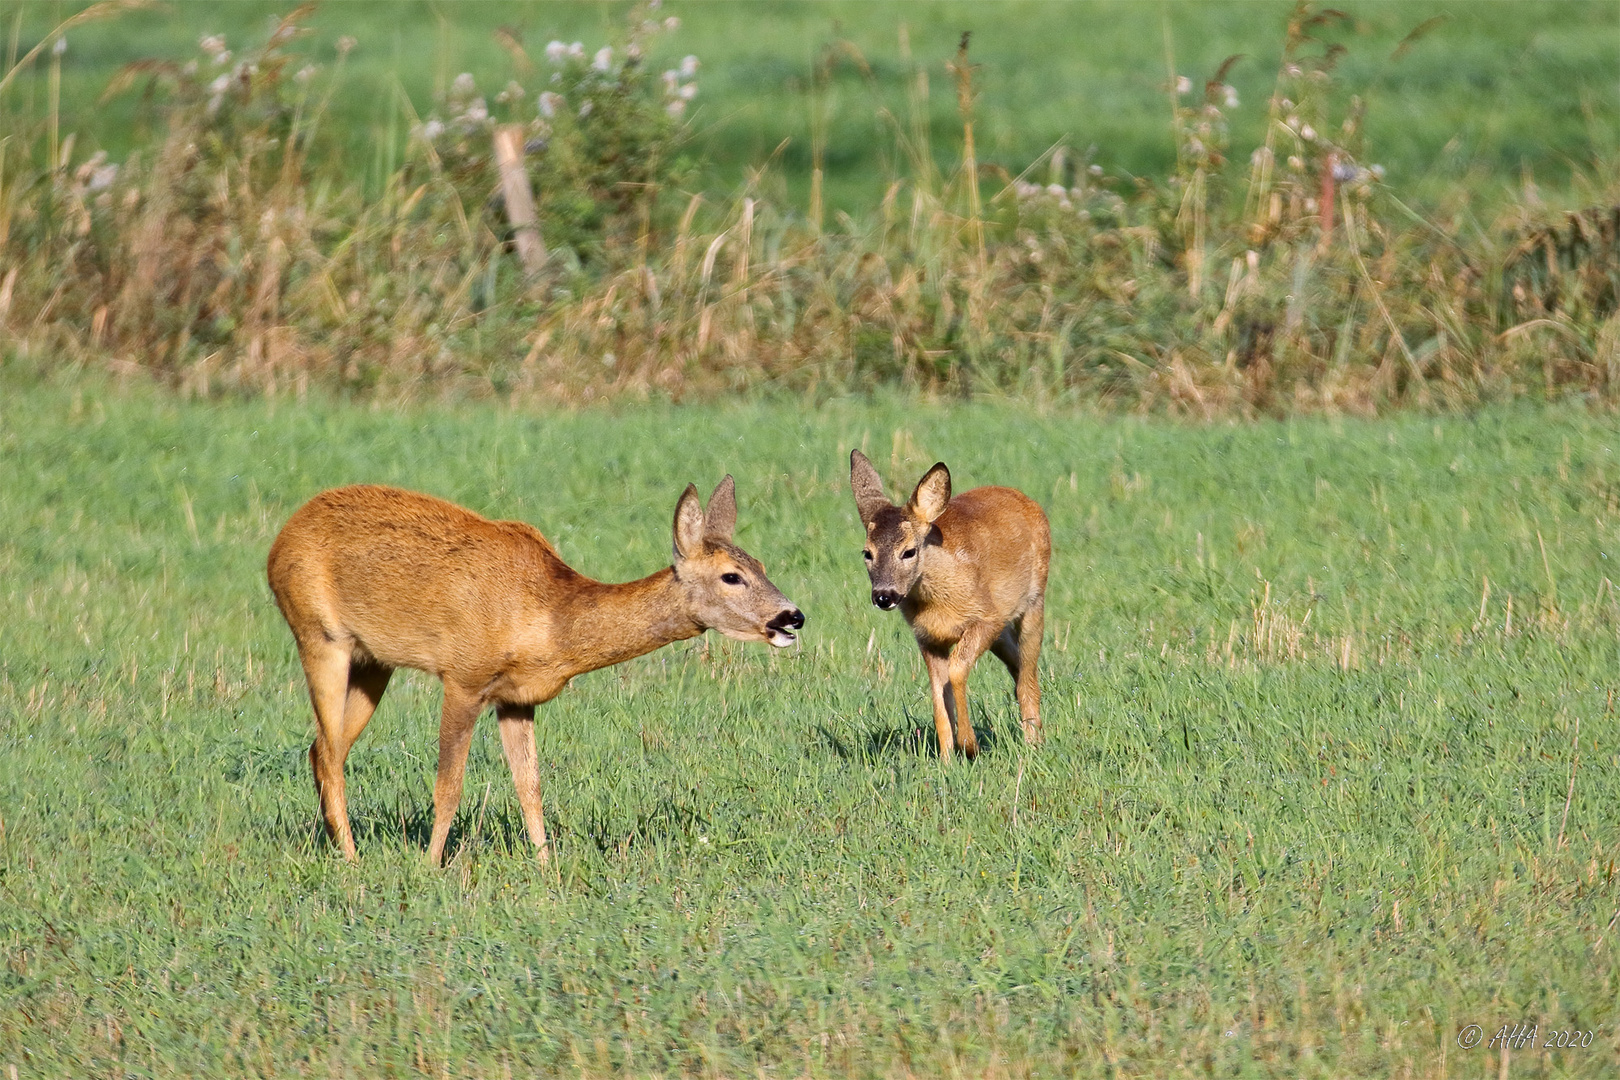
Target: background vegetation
1330,770
1491,89
1412,204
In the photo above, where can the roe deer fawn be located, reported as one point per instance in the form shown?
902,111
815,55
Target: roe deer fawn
968,574
373,578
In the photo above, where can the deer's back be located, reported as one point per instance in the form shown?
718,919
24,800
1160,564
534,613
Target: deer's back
995,550
411,580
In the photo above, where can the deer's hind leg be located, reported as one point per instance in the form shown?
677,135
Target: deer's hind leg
326,668
1030,628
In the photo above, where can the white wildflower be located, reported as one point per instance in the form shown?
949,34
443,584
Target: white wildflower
1183,84
212,44
1377,172
549,103
689,66
672,23
603,61
576,51
585,109
1095,170
1295,163
1229,95
689,91
672,81
1307,133
1055,190
1195,148
463,86
219,85
632,52
304,74
60,47
102,178
478,111
432,130
556,52
676,107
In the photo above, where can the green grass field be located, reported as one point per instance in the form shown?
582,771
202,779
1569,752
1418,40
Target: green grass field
1314,796
1493,90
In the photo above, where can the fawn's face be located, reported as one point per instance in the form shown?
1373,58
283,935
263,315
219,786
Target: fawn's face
897,537
725,588
894,551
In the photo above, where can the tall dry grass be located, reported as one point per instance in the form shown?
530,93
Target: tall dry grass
229,256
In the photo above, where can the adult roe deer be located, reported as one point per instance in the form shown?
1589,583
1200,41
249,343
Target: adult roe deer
968,574
374,578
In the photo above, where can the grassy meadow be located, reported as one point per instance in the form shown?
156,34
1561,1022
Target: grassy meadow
1331,767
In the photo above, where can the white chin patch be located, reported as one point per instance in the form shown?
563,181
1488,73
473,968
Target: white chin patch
780,638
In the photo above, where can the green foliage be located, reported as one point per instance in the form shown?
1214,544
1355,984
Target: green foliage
1330,767
604,133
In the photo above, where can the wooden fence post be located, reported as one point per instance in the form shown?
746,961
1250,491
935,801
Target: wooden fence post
519,197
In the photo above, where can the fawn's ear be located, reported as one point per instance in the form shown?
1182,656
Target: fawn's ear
721,519
868,487
688,525
933,492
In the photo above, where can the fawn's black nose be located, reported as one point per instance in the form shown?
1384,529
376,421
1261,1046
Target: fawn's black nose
886,599
791,619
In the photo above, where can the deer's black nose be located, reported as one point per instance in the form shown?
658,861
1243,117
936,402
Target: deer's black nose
886,599
791,619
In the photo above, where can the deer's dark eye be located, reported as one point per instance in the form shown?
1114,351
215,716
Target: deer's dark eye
731,579
868,555
909,553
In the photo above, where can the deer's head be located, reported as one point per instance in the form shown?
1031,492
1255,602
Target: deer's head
897,537
725,587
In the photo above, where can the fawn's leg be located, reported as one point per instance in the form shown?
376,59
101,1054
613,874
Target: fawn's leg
517,737
939,675
461,709
326,669
1029,687
963,657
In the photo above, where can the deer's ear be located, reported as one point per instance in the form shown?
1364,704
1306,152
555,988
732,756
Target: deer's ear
932,494
868,487
688,525
721,519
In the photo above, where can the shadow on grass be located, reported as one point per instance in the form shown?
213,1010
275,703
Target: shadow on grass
913,738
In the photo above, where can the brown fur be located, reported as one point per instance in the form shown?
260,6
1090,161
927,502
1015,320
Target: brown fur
968,574
373,578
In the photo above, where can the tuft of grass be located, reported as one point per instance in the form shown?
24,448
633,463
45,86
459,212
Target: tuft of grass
1329,769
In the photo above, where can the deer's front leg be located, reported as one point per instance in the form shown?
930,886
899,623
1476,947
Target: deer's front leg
939,676
517,737
461,709
963,657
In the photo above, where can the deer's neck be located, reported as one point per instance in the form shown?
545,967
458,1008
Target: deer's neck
608,624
